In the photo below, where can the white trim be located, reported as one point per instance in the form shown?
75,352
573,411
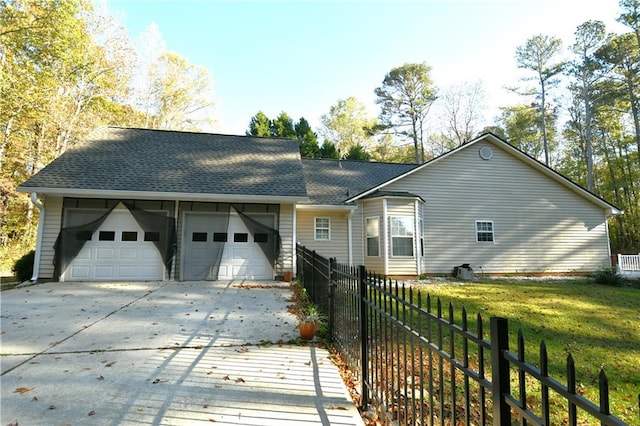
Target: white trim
326,207
38,253
366,236
385,233
416,236
315,228
413,237
493,230
176,213
183,196
294,237
350,236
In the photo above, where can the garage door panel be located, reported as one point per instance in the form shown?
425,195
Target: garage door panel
104,272
107,253
80,273
128,254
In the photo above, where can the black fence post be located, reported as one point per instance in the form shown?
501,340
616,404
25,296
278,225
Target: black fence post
500,371
332,295
364,337
311,291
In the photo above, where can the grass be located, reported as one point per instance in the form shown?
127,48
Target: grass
599,325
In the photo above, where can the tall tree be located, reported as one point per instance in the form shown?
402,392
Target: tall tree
260,125
181,97
462,106
405,97
347,124
631,16
282,126
539,55
586,71
307,139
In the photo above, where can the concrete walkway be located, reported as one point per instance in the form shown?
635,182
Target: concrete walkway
162,353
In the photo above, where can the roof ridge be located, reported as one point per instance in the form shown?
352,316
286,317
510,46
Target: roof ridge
193,132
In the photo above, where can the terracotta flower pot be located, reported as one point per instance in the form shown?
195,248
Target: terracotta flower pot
307,330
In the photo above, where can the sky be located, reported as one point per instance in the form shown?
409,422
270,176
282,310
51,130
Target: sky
302,57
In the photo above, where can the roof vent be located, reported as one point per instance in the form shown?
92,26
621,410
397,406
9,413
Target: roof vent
486,153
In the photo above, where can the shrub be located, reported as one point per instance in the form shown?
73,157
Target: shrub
23,268
608,276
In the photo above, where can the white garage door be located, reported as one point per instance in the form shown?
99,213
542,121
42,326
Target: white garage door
242,257
118,251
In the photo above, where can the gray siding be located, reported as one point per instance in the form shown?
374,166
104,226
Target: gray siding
540,225
338,246
52,223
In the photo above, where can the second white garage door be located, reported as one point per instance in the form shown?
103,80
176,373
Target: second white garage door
241,257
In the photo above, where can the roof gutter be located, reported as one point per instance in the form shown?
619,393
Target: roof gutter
182,196
36,258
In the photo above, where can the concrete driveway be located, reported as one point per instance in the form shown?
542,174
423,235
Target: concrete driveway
162,353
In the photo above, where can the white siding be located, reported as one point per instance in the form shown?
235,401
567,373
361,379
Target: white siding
338,246
540,225
285,223
52,223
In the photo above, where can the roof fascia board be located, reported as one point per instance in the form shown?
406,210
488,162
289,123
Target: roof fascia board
326,207
610,208
139,195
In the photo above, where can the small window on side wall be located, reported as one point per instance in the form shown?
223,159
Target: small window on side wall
484,231
373,236
322,229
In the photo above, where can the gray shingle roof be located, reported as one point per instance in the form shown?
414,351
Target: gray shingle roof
121,159
332,182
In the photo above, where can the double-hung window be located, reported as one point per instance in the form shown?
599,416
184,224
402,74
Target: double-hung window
484,231
322,229
402,230
373,236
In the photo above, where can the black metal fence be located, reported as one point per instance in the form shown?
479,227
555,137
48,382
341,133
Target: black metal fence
417,367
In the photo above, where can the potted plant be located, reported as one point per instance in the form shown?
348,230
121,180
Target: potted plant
309,322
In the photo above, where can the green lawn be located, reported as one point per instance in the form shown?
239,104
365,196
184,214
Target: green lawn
599,325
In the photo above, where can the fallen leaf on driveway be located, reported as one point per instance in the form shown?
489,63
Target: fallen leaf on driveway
22,390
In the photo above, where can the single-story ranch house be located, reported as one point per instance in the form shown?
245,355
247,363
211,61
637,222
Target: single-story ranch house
139,204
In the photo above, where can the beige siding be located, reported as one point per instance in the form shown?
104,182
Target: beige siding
373,208
338,246
285,227
540,225
52,223
357,235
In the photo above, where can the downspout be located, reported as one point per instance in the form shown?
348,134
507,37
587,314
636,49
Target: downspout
418,234
36,258
349,228
294,241
385,237
176,210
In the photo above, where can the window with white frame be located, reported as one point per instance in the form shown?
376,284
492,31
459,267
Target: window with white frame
373,236
322,228
402,230
484,231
